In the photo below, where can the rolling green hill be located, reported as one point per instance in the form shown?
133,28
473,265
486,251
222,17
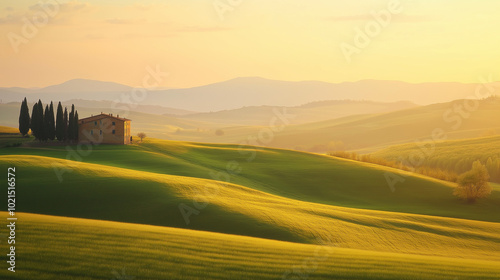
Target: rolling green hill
79,249
247,192
318,179
270,197
452,155
117,194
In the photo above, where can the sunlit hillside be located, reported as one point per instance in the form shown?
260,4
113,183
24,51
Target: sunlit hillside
452,155
238,210
102,251
333,181
257,192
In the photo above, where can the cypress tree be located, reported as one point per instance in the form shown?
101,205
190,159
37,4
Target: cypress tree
52,123
65,124
46,123
37,121
24,118
33,123
76,125
40,121
59,123
71,124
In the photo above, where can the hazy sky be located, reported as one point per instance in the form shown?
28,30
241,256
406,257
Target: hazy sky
115,40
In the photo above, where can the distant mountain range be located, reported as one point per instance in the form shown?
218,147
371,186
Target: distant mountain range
310,112
112,107
83,85
249,91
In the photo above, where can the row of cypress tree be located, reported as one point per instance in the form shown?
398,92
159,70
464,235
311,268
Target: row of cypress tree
42,124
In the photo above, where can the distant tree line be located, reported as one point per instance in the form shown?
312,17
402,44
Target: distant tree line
43,125
424,170
437,166
471,185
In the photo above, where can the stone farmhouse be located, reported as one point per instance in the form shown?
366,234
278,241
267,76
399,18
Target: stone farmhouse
104,129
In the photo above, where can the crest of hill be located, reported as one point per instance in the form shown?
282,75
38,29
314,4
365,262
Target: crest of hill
85,85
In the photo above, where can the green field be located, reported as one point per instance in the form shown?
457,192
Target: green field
452,155
68,248
278,207
319,179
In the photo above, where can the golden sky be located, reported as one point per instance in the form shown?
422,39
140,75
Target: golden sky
205,41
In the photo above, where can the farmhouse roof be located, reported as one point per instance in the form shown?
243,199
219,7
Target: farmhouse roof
102,115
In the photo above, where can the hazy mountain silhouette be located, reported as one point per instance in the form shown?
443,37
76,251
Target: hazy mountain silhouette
255,91
310,112
83,85
250,91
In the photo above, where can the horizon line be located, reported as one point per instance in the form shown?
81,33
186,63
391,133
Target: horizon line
248,77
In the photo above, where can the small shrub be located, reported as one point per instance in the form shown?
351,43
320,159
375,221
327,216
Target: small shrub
473,184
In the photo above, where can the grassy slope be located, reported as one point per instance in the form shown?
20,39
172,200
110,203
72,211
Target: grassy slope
8,130
110,193
87,192
451,151
290,174
81,249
